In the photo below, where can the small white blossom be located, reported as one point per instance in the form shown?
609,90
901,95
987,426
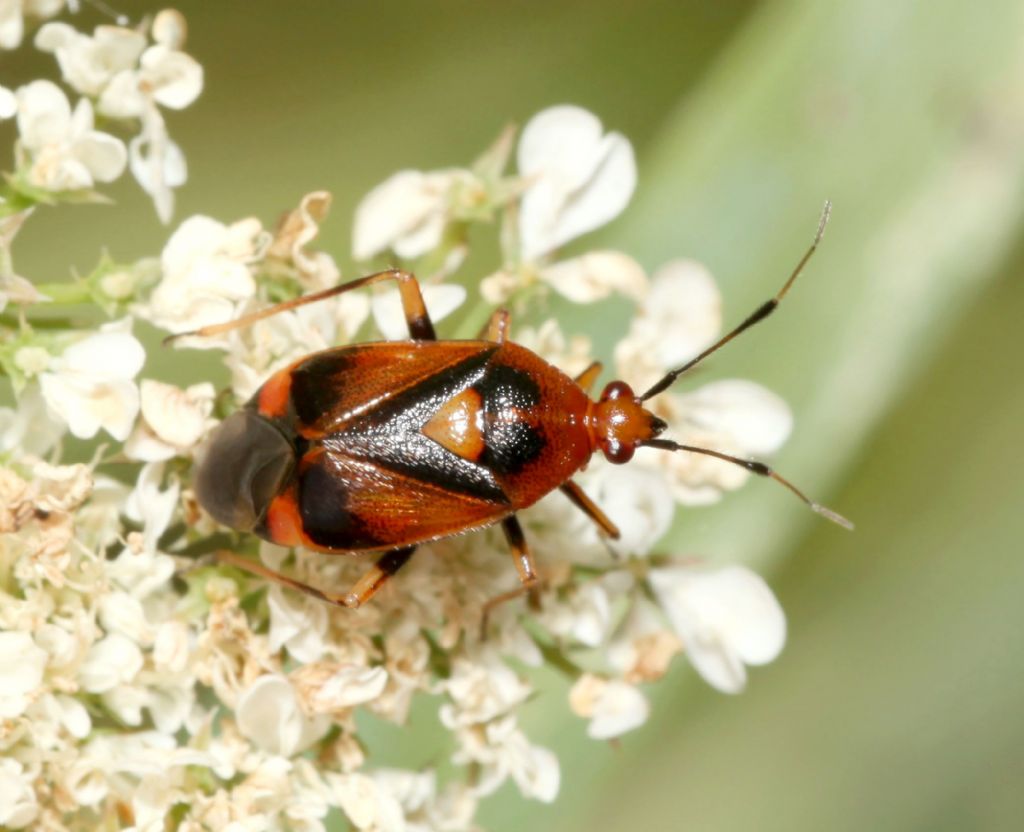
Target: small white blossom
613,707
636,500
732,416
406,213
65,152
726,618
154,508
642,647
298,623
206,275
18,806
12,21
332,688
584,617
502,750
89,63
579,178
268,713
481,689
91,385
680,316
110,662
173,420
21,671
368,804
294,232
440,300
594,276
29,428
8,103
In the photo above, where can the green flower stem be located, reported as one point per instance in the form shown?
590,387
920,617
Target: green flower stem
66,293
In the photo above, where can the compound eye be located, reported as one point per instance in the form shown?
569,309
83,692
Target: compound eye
617,390
245,463
619,453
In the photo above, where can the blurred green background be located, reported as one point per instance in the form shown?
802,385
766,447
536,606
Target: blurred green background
898,701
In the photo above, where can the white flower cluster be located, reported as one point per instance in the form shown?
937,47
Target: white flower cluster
142,684
122,74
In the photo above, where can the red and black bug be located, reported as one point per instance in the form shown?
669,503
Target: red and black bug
379,447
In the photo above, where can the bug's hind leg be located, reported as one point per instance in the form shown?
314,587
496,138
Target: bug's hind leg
529,580
421,328
580,499
363,590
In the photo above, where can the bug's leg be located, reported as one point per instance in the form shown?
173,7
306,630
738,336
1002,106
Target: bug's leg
496,329
364,589
580,499
529,580
587,378
377,575
420,326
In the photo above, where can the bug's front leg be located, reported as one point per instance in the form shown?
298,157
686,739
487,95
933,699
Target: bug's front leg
529,579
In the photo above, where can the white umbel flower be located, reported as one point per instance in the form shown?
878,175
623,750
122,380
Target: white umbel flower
612,706
173,420
405,213
595,275
734,416
91,386
18,806
12,21
22,664
89,63
268,714
579,178
206,274
65,152
726,618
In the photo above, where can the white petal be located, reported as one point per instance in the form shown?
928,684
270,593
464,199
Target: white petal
105,355
175,79
110,662
104,155
12,24
638,500
8,103
683,312
178,417
52,36
596,275
122,97
397,207
44,114
148,505
754,419
268,714
170,28
441,301
580,178
725,618
22,664
613,706
351,685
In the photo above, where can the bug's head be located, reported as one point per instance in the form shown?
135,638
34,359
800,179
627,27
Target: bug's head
621,423
245,463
